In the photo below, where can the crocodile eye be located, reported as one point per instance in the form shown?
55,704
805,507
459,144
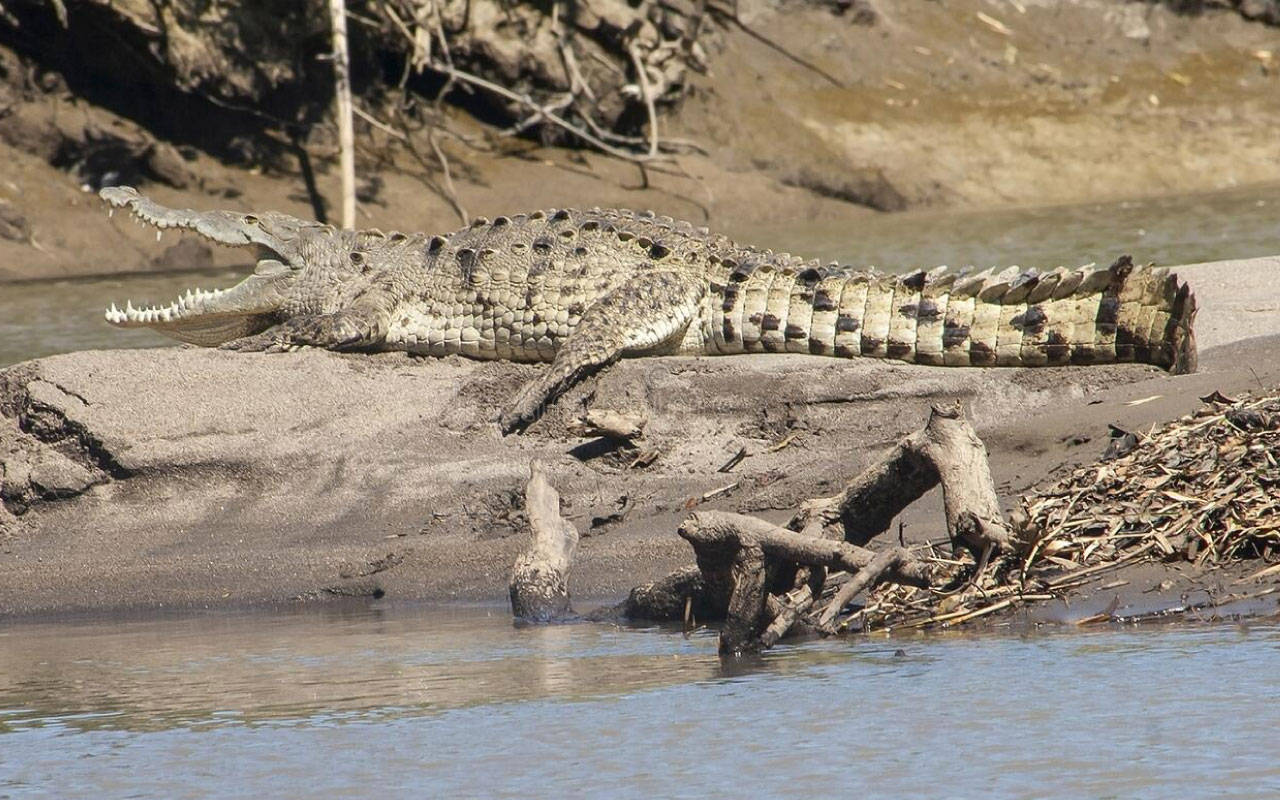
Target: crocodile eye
356,258
250,219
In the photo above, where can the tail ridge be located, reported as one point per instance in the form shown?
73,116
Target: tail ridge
1125,312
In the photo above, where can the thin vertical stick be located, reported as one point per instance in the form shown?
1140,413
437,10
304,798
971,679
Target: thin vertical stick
342,87
646,92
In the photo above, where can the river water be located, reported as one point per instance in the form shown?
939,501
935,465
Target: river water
367,702
373,700
44,317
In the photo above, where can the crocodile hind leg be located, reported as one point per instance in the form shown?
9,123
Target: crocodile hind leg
644,314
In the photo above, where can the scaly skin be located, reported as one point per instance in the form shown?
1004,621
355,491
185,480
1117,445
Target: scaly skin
580,289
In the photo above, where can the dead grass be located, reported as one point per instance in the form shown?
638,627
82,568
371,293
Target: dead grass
1204,490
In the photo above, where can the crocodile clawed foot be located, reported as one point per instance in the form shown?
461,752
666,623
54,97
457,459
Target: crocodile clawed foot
265,342
521,413
345,331
510,422
335,331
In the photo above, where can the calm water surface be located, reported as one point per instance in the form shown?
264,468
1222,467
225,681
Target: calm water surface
1242,223
362,702
41,318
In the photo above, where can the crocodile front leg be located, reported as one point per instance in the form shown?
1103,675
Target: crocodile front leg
341,330
644,314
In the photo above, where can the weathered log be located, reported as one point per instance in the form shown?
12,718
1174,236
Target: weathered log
539,585
745,620
787,615
667,599
947,451
716,537
738,556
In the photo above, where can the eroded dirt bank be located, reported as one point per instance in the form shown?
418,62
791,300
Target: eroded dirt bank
194,478
959,104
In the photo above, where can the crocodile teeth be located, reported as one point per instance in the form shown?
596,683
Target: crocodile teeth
186,304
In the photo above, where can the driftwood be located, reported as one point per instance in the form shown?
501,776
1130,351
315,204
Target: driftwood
947,451
888,564
767,581
539,585
621,425
679,595
787,616
740,556
714,534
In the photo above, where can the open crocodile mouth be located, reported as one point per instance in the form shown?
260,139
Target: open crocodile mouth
209,317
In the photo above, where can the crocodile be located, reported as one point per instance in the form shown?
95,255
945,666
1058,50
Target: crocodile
580,289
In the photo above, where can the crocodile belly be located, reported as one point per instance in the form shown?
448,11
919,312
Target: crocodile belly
424,329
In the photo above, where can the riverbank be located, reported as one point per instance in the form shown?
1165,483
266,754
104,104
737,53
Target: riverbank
956,105
318,475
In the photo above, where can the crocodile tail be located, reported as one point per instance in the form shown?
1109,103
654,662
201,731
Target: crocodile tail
1011,318
1123,313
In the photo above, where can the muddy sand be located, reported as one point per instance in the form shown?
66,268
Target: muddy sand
190,478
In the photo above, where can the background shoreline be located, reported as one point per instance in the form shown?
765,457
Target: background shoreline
936,108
